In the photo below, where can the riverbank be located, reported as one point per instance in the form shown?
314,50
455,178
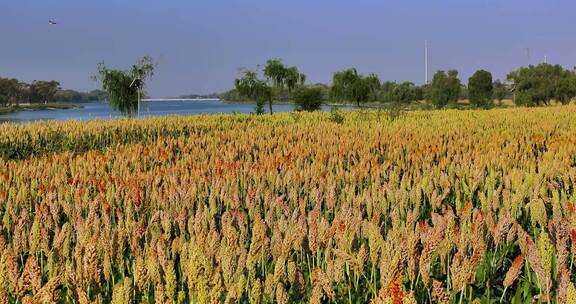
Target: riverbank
39,107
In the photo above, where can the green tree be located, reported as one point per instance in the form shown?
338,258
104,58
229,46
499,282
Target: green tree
501,91
480,89
540,84
419,92
9,91
275,71
281,77
75,96
95,95
43,91
293,78
348,85
253,88
463,95
372,83
118,84
23,93
233,95
454,86
404,92
68,96
386,92
308,98
445,88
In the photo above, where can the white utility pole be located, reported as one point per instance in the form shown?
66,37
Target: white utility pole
425,61
545,59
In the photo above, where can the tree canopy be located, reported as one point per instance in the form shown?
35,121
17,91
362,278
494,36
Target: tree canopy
44,90
13,92
501,90
404,92
9,90
308,98
480,89
278,79
445,88
533,85
281,77
349,85
250,86
540,84
122,95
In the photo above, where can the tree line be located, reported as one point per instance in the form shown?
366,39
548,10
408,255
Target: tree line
533,85
276,79
13,92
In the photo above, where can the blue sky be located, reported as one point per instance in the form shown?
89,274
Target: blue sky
200,44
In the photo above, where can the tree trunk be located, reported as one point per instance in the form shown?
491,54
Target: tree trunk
270,106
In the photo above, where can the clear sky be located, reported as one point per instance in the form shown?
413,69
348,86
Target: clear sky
200,44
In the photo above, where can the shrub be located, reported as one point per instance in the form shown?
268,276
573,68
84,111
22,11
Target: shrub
336,115
308,98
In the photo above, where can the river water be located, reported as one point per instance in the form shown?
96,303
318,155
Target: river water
101,110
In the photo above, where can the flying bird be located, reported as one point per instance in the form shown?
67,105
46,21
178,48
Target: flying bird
51,22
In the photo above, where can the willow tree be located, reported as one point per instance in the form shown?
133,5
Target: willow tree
124,87
253,88
275,71
293,78
281,77
349,85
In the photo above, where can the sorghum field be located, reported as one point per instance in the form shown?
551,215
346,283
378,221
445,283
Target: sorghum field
432,207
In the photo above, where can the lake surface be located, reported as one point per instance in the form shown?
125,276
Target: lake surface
101,110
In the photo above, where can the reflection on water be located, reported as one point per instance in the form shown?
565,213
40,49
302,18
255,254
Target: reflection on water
100,110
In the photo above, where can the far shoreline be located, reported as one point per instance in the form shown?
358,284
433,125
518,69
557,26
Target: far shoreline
39,107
